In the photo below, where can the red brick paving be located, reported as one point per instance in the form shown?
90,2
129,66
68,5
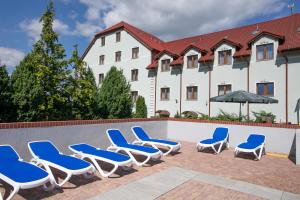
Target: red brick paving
279,173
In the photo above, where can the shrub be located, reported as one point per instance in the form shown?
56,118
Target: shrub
264,117
141,108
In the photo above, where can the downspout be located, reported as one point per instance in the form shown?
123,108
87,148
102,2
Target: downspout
155,85
286,88
248,85
180,98
209,89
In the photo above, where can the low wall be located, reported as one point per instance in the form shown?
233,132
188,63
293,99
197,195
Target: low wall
62,136
280,138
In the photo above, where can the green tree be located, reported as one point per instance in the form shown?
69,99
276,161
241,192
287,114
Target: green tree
6,106
83,88
114,98
40,81
141,108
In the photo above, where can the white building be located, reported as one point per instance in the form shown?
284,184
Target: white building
182,75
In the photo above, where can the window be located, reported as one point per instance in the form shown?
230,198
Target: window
224,89
265,89
135,53
134,74
118,36
191,93
103,41
101,78
192,61
118,56
134,96
165,65
264,52
101,60
225,57
165,94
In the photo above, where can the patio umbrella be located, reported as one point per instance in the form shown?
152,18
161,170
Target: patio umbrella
241,96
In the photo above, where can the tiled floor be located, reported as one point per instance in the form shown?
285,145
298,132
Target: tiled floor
274,172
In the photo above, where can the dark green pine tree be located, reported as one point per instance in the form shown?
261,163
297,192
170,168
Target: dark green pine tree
114,98
83,89
141,108
44,71
7,108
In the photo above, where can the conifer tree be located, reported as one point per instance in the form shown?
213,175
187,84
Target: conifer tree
141,108
45,70
114,98
83,89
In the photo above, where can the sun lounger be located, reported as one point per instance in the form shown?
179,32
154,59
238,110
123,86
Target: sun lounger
253,143
96,154
143,139
46,154
220,137
119,143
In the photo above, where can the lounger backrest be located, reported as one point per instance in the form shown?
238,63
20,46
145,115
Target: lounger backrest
83,148
7,153
116,137
140,133
43,148
256,138
220,133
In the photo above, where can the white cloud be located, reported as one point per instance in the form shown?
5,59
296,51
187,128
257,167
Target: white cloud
33,28
178,18
10,57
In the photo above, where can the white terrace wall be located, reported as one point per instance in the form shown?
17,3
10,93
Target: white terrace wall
279,138
63,136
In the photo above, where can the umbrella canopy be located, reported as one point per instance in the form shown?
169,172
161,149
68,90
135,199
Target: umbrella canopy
241,96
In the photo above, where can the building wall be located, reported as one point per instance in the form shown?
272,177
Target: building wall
195,77
170,79
234,74
145,80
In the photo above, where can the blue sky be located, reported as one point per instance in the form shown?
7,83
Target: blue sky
78,20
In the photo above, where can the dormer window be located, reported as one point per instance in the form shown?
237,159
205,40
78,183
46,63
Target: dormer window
264,52
192,61
118,36
165,65
225,57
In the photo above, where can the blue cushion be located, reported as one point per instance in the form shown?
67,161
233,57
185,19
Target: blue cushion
7,153
163,141
87,149
47,151
117,137
141,148
253,141
22,172
140,133
219,135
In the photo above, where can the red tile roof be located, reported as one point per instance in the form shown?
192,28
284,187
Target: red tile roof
286,29
178,61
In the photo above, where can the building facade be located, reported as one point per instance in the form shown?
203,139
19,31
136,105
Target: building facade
182,75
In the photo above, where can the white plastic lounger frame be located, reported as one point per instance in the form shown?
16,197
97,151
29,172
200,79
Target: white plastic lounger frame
258,157
94,159
201,146
172,148
113,147
87,172
28,185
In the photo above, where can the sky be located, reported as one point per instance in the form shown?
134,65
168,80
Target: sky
78,20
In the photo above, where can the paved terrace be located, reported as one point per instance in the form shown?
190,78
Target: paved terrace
188,175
